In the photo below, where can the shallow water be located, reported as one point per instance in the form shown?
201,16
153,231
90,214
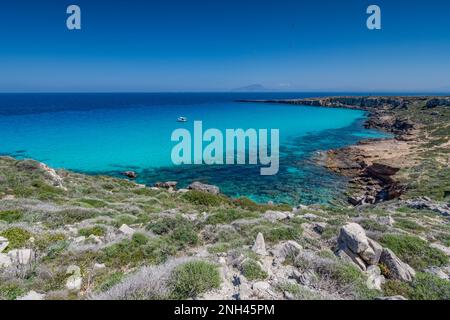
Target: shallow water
97,133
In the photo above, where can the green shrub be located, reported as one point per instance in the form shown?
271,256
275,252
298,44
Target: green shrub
204,198
108,281
248,204
425,286
193,278
414,251
133,253
16,236
408,225
11,215
252,270
227,216
93,203
372,225
98,231
163,225
184,235
273,232
139,238
11,291
44,241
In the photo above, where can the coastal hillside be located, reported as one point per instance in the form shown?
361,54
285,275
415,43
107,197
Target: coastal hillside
65,235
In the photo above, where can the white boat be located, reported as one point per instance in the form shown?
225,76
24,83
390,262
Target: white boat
182,119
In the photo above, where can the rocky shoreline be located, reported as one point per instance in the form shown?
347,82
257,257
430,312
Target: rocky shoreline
372,165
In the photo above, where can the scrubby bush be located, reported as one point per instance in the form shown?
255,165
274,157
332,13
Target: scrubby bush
408,225
273,232
11,290
252,270
204,198
225,216
98,231
93,203
425,286
414,251
248,204
372,225
16,236
193,278
11,215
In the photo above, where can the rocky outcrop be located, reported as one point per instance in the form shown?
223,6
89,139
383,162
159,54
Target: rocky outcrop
130,174
198,186
3,243
125,229
436,102
397,269
74,281
166,185
428,204
259,247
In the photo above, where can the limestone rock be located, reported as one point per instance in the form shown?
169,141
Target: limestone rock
3,244
274,216
166,185
375,279
21,256
287,249
125,229
372,254
32,295
260,246
387,220
5,261
130,174
74,281
394,298
353,237
397,269
204,187
346,254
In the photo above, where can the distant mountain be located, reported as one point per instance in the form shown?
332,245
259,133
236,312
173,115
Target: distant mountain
251,88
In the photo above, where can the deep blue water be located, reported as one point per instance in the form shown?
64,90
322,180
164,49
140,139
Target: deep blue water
110,133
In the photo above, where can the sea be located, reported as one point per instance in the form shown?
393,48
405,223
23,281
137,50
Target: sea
109,133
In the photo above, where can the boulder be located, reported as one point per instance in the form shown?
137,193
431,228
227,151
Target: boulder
393,298
32,295
287,249
74,281
374,278
349,256
387,220
166,185
372,254
5,261
260,246
21,256
204,187
3,244
274,216
310,216
130,174
353,237
397,269
125,229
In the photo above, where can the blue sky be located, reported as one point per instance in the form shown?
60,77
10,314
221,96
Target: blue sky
218,45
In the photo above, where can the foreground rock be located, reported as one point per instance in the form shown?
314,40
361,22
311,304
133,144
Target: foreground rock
74,281
260,246
32,295
204,187
130,174
355,246
3,244
125,229
397,269
166,185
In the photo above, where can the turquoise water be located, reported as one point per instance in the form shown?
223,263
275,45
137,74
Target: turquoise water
107,139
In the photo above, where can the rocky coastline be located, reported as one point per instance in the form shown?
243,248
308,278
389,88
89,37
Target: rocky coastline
373,164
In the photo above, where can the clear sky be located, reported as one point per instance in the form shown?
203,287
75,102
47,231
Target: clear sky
218,45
